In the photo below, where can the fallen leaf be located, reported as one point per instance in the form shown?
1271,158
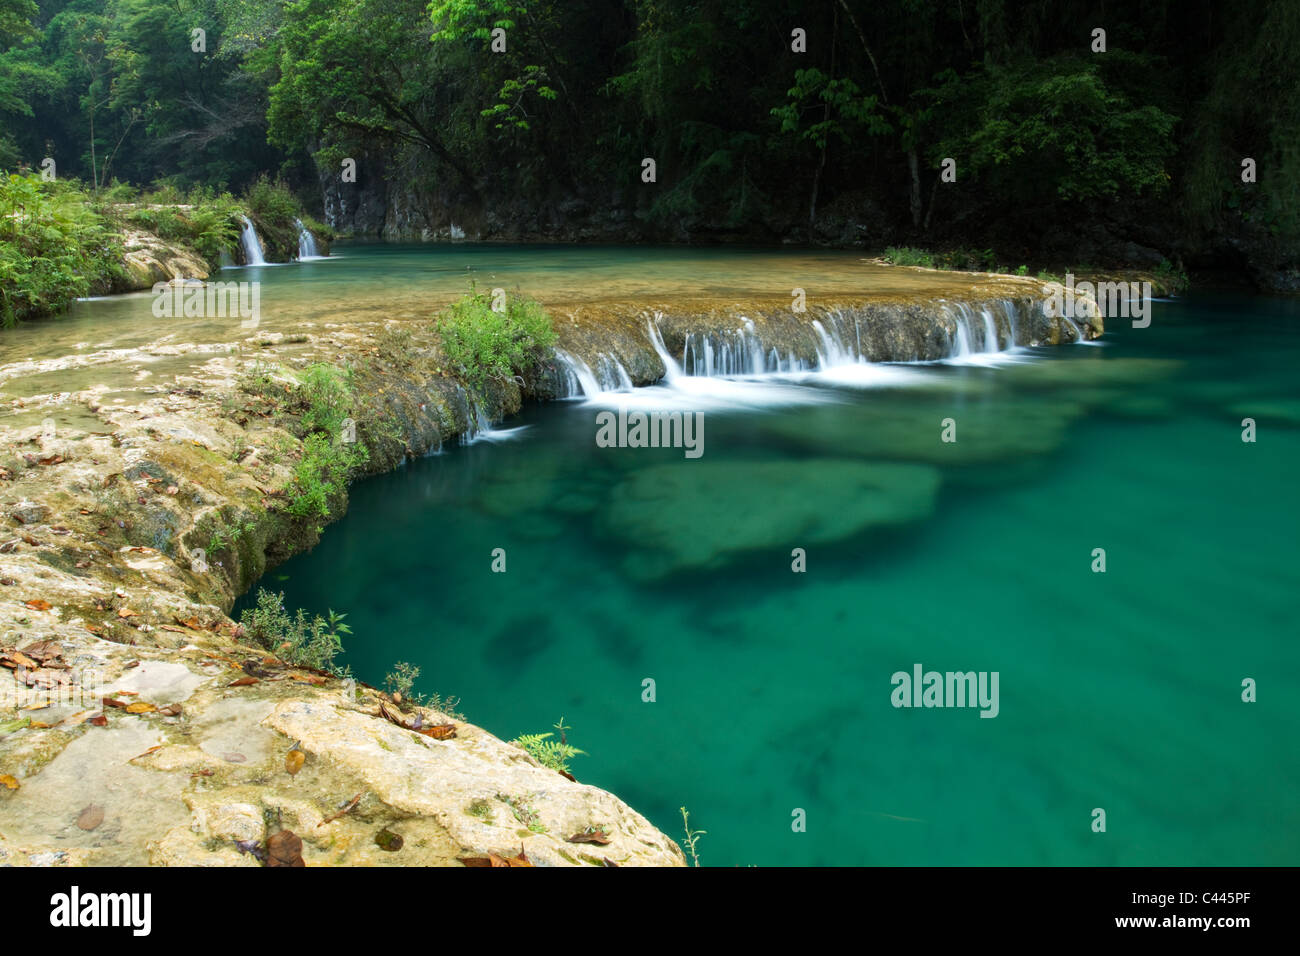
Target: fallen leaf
243,682
140,707
7,780
126,612
91,817
99,720
493,860
439,731
351,805
284,849
171,710
308,679
388,841
593,835
38,605
44,651
294,760
110,702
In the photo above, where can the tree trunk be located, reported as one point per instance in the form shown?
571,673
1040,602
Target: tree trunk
914,167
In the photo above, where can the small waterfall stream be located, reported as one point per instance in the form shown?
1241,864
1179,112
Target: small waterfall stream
252,246
306,242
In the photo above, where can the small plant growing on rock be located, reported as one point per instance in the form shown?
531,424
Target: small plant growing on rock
553,754
400,682
313,642
483,344
692,836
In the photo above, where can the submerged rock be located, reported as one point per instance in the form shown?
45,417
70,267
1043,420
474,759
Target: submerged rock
703,515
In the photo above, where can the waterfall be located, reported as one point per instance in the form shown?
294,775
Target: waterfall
580,380
251,245
963,332
671,369
843,349
990,331
306,242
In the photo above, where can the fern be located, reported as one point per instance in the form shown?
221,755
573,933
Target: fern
553,754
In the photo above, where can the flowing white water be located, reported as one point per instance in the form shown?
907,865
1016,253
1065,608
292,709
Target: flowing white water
480,427
252,248
580,381
736,369
306,243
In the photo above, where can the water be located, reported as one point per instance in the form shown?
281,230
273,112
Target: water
306,242
252,248
1118,691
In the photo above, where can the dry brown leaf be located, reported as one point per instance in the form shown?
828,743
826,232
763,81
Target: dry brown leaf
44,651
284,849
99,720
9,781
126,612
171,710
91,817
594,835
36,604
493,860
243,682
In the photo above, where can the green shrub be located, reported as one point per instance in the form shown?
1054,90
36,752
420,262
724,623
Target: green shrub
328,394
908,256
55,246
313,642
322,474
271,201
482,344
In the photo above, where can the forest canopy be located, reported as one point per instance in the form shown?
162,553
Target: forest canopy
766,119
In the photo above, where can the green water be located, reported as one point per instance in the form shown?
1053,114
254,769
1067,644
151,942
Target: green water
1119,691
